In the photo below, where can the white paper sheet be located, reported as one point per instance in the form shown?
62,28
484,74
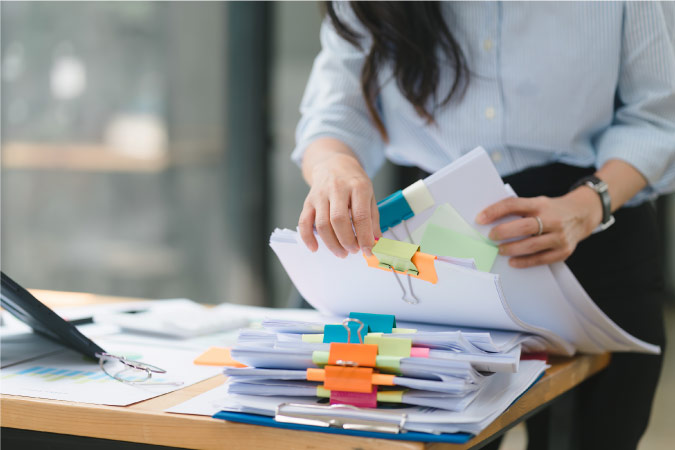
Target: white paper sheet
69,376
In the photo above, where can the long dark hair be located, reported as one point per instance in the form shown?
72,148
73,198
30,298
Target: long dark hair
407,34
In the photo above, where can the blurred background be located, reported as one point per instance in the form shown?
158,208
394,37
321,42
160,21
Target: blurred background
145,151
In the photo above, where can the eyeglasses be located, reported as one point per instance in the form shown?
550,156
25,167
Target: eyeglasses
131,372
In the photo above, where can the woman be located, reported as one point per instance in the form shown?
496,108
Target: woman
575,102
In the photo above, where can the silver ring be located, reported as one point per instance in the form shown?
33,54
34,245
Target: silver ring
541,225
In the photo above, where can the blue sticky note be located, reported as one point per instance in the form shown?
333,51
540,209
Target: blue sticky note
338,333
377,323
393,210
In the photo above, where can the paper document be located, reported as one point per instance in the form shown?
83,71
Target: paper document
69,376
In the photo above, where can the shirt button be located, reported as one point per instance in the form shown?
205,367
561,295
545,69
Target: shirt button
490,112
487,45
496,157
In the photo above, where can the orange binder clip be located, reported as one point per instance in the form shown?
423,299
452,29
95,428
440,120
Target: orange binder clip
423,261
363,355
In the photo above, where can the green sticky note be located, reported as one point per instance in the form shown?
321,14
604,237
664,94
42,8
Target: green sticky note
390,396
444,242
320,358
447,217
388,363
379,323
390,346
396,254
322,392
313,338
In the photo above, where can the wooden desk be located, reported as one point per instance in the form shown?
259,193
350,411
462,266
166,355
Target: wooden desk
145,422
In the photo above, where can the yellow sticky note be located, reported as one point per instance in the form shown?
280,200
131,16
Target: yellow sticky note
217,356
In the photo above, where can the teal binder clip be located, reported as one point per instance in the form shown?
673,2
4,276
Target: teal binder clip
338,333
377,323
393,210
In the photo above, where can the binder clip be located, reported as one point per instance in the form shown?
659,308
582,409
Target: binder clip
402,205
406,259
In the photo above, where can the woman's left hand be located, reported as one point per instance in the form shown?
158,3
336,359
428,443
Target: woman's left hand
565,222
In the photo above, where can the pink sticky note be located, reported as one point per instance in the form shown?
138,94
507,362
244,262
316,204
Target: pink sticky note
359,399
419,352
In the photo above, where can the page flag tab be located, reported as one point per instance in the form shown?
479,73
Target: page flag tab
359,399
391,346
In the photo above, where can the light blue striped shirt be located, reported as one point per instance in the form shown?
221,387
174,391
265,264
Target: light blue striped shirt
544,79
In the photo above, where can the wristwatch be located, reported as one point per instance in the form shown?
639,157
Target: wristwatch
601,188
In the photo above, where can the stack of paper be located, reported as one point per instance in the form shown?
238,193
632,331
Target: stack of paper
476,287
449,371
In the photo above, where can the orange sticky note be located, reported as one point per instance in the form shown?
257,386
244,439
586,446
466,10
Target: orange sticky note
423,261
217,356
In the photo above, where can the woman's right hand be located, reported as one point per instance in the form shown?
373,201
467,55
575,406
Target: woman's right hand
341,194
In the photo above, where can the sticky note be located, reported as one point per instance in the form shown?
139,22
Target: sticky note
391,346
419,352
313,338
447,217
389,363
445,242
320,358
377,323
396,255
390,396
393,210
217,356
418,197
358,399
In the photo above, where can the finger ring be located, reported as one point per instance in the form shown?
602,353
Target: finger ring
541,226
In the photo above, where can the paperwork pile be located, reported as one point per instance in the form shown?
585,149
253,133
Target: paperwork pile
472,285
433,266
465,378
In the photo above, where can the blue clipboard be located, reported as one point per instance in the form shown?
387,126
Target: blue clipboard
254,419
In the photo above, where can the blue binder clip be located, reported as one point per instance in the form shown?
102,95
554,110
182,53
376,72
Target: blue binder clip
393,210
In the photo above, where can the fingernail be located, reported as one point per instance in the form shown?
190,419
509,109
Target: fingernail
502,250
368,252
481,218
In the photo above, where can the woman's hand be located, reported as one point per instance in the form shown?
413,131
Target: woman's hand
341,194
565,220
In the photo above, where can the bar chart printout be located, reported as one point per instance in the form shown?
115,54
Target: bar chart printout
69,376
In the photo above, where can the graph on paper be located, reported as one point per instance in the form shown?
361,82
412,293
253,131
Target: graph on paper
68,376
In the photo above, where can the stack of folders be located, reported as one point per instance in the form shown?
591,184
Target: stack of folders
381,372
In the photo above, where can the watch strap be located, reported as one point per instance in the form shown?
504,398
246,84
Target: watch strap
601,188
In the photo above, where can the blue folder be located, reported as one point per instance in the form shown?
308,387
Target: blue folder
254,419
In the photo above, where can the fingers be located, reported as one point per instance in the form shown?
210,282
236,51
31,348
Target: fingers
306,227
515,228
342,225
547,257
361,217
508,206
530,245
325,229
375,217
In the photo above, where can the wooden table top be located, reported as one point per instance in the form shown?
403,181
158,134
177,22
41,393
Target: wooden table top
146,422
